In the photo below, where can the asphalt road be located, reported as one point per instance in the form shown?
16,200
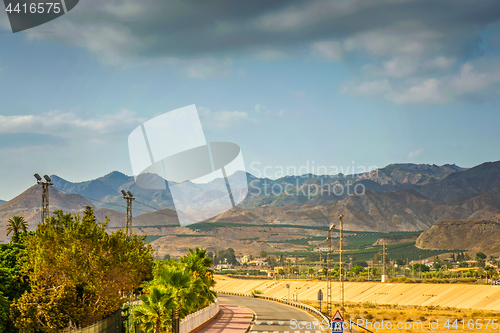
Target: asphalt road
274,317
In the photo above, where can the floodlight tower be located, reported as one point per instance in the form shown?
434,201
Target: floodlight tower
44,213
341,263
329,299
129,197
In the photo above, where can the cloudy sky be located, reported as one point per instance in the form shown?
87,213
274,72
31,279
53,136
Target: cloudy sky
331,83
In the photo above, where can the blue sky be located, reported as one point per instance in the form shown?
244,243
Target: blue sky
334,83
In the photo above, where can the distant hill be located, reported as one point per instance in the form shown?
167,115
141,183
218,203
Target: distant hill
472,235
404,210
104,191
2,201
28,203
479,179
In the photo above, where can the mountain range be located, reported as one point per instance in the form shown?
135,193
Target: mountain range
398,197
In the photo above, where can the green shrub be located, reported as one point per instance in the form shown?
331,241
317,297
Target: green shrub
256,292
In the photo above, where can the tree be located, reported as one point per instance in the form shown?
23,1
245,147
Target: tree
281,271
154,312
263,254
166,257
199,263
357,270
16,225
311,257
423,268
360,263
4,313
400,262
78,272
480,255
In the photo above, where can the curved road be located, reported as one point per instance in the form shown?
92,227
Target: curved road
274,317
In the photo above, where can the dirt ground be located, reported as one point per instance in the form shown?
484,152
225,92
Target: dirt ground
415,307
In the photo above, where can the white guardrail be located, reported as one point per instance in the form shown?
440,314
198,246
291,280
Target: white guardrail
299,305
196,319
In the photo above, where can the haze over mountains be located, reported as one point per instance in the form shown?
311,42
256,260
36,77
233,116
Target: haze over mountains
399,197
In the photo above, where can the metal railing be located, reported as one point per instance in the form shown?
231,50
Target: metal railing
111,324
199,318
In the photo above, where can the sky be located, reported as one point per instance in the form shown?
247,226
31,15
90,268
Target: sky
294,83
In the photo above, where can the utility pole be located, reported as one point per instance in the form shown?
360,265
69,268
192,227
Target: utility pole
329,299
384,277
341,271
44,212
129,197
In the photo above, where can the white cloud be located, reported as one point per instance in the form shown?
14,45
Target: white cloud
427,92
329,49
209,68
222,119
63,123
473,81
415,153
439,63
399,67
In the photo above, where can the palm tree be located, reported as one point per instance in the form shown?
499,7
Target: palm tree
154,312
17,224
185,289
199,264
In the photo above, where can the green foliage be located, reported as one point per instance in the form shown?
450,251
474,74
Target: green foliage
77,272
4,314
480,255
226,257
184,285
357,270
16,225
360,263
256,292
12,282
154,312
421,268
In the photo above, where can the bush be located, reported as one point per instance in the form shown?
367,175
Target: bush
256,292
369,317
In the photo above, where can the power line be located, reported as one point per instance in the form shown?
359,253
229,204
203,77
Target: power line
159,211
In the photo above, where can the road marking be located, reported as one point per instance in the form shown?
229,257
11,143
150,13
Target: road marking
269,322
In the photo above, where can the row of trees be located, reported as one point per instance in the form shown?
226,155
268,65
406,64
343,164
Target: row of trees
184,285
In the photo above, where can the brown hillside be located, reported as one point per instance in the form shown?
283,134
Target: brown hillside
476,235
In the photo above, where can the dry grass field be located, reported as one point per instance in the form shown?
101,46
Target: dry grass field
414,306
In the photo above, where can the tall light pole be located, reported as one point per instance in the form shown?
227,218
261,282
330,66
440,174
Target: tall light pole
341,271
129,197
44,212
328,277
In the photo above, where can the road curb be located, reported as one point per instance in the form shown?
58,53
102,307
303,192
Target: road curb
299,305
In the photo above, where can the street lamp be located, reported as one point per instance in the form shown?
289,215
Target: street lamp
129,197
44,213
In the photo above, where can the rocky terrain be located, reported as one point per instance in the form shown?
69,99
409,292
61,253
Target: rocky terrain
473,235
395,240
